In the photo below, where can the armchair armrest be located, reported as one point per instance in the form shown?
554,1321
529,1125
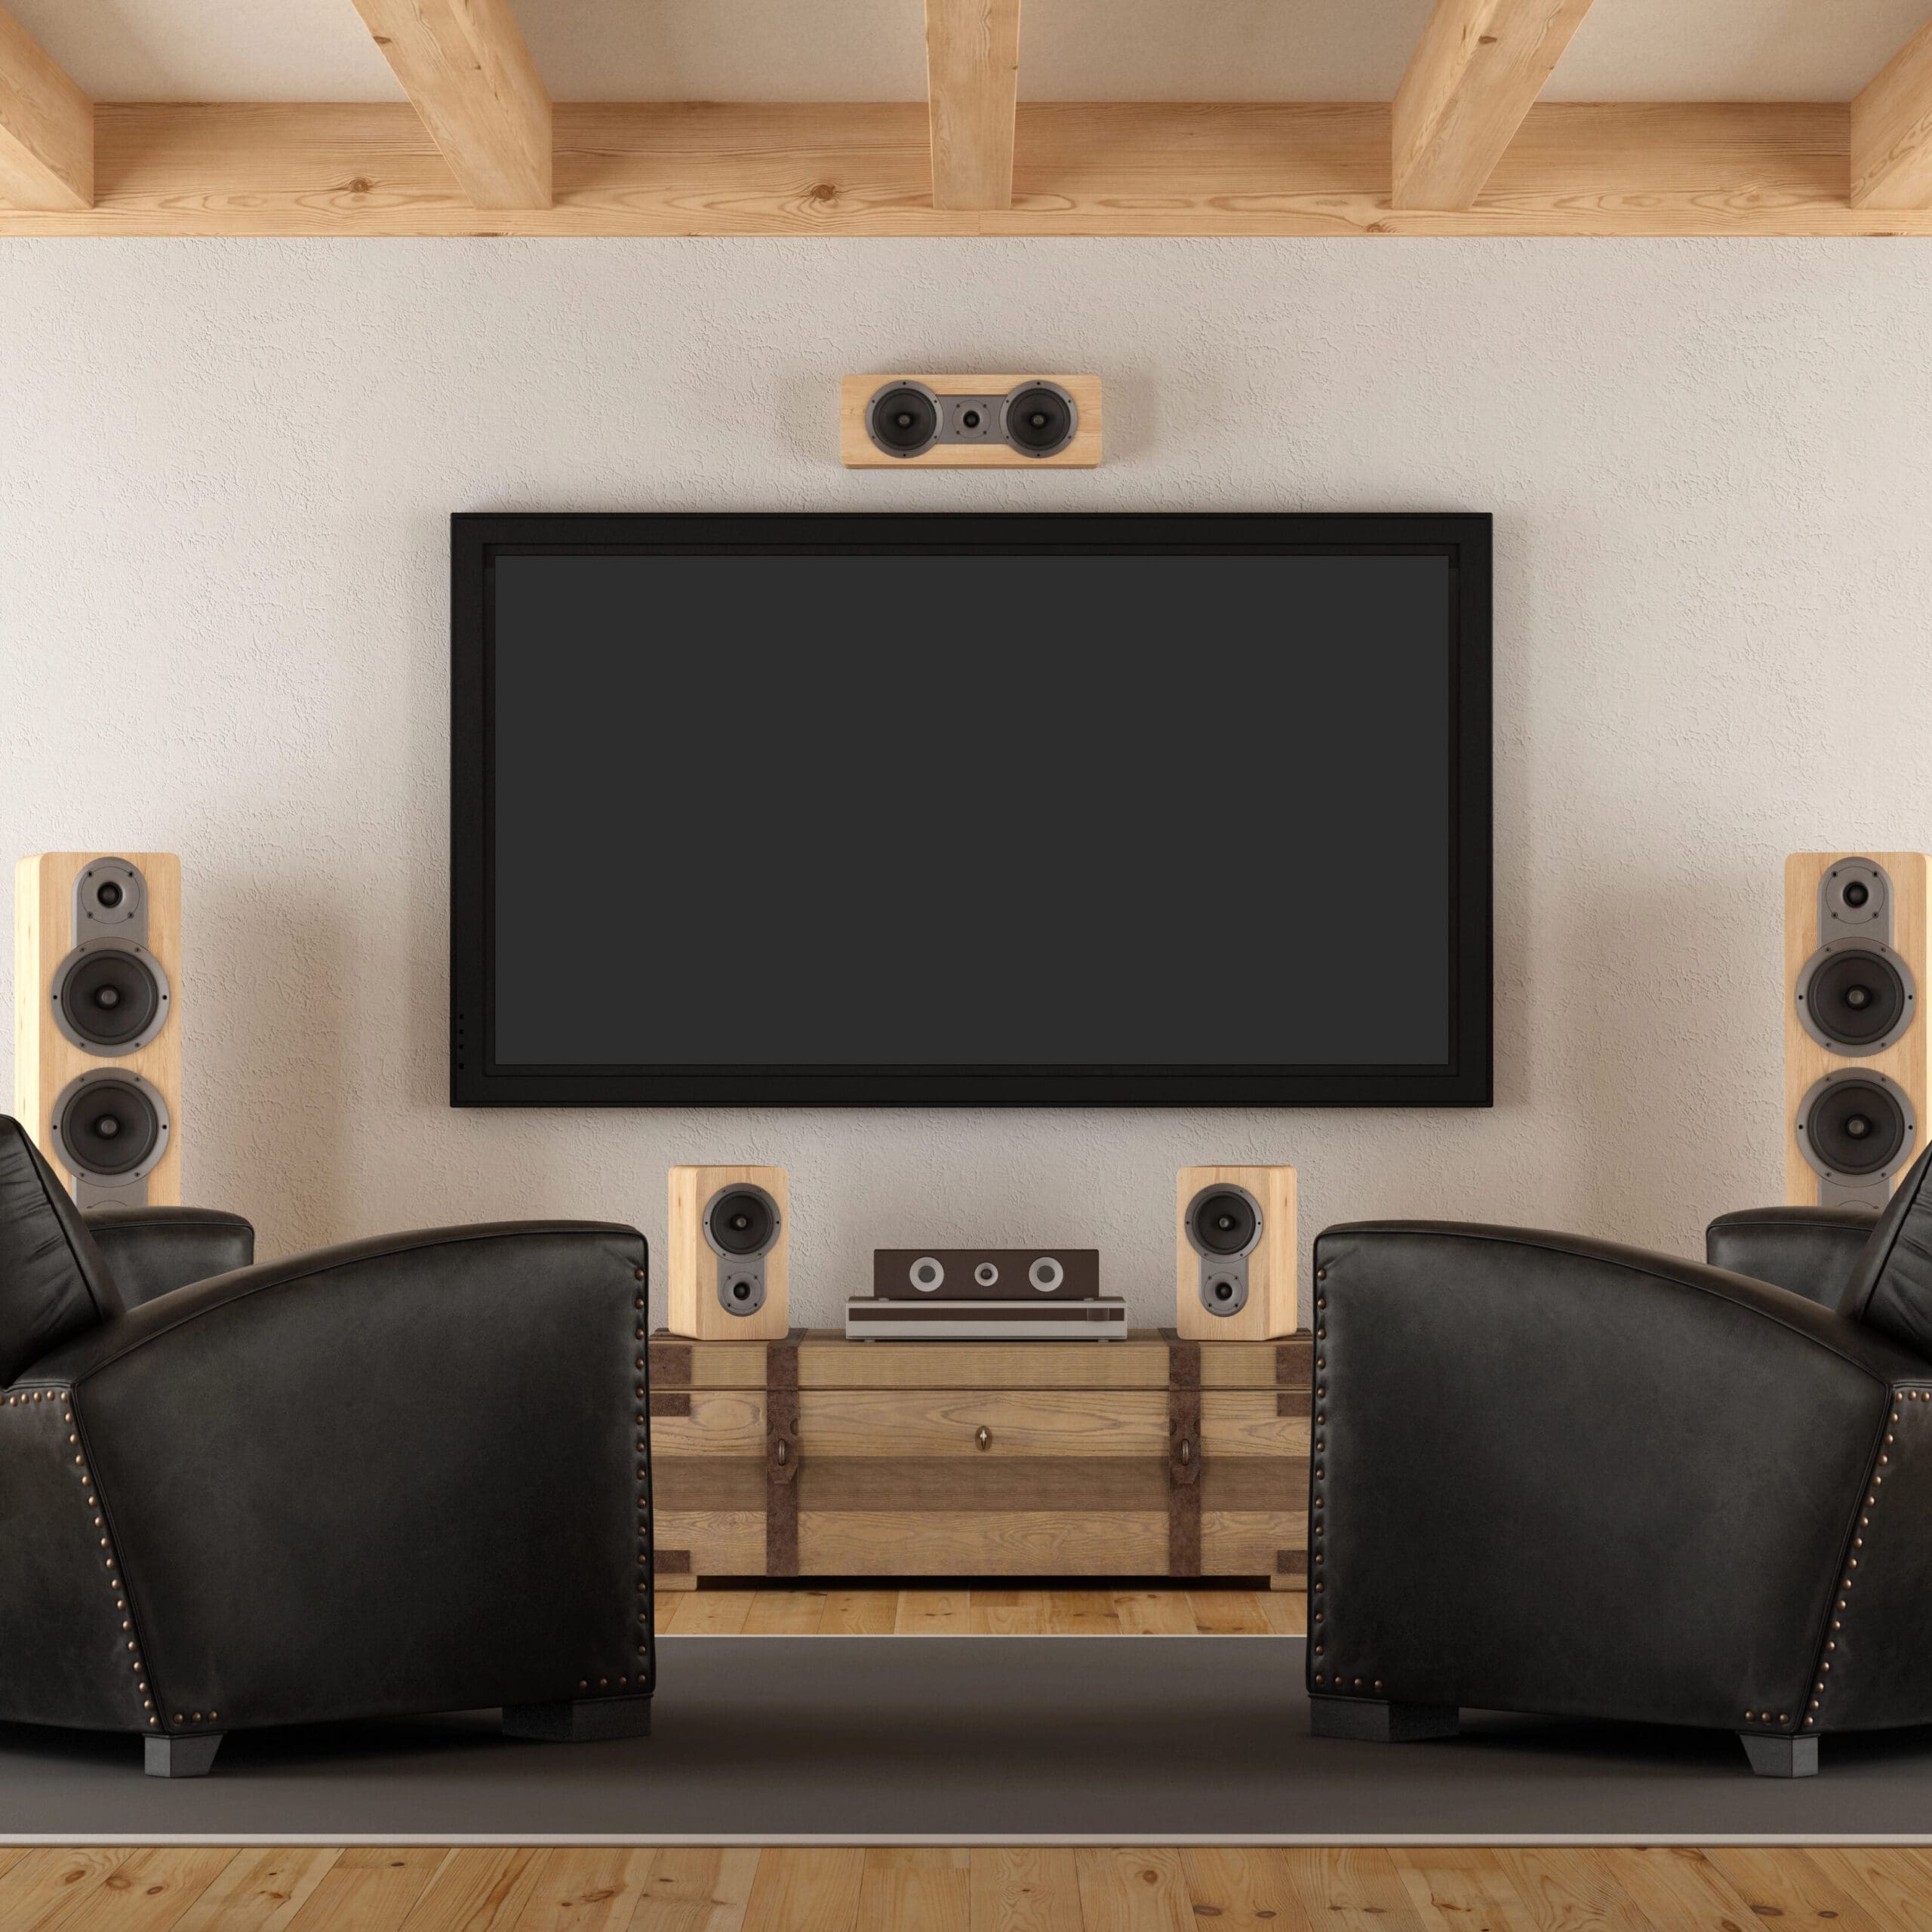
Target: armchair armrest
403,1475
151,1251
1557,1474
1812,1251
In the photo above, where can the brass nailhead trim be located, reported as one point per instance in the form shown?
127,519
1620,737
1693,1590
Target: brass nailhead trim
1858,1543
93,1501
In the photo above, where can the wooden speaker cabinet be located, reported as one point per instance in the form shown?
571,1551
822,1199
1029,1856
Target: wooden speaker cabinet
811,1456
730,1241
1856,1054
97,1038
965,422
1234,1256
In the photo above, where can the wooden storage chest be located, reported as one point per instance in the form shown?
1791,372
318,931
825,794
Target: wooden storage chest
816,1457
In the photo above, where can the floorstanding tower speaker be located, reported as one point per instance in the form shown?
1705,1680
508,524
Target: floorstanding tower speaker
97,1041
730,1243
1856,1060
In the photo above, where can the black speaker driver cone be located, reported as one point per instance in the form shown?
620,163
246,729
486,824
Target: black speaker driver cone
1856,1126
902,420
741,1221
110,997
1039,421
1224,1222
1856,997
109,1127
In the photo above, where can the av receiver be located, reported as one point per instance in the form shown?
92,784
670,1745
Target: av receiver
985,1294
986,1274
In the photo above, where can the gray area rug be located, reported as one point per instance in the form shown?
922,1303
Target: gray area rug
774,1740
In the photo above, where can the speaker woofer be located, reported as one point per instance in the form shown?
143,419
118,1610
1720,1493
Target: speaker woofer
1855,1125
903,419
1855,996
741,1220
1224,1221
110,1128
109,998
1039,418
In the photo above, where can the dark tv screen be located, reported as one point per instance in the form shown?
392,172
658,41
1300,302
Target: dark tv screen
1004,810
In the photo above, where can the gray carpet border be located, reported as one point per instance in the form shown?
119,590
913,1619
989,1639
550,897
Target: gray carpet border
834,1682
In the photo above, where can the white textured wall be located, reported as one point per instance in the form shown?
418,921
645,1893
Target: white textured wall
225,470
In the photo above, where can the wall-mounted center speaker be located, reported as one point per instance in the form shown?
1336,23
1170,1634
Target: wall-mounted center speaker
969,422
1856,1057
97,1070
730,1254
1235,1255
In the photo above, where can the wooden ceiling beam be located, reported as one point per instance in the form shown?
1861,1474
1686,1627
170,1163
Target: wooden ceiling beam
1475,75
468,73
972,84
46,127
803,169
1891,131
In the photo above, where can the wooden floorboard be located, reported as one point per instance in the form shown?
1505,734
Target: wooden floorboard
779,1610
912,1888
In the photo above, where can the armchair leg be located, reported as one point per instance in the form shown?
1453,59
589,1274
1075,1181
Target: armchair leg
581,1720
1780,1757
183,1757
1370,1721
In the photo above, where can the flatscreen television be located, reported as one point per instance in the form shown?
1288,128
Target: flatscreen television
1015,811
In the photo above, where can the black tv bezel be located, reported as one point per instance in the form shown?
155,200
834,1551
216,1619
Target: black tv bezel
1464,1081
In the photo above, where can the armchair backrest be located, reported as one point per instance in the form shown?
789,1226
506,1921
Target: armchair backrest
53,1284
1890,1289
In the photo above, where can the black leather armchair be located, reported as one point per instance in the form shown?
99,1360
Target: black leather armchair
396,1477
1558,1476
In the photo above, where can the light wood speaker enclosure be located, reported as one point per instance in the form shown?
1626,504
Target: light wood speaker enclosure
857,449
1907,1060
1271,1306
693,1308
44,1059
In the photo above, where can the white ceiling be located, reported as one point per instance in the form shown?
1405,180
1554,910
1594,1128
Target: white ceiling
874,50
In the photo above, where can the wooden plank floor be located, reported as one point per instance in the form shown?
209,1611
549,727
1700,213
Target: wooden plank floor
388,1888
962,1611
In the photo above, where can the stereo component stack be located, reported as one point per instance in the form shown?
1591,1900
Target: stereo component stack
97,977
1235,1253
985,1294
730,1254
1855,1056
